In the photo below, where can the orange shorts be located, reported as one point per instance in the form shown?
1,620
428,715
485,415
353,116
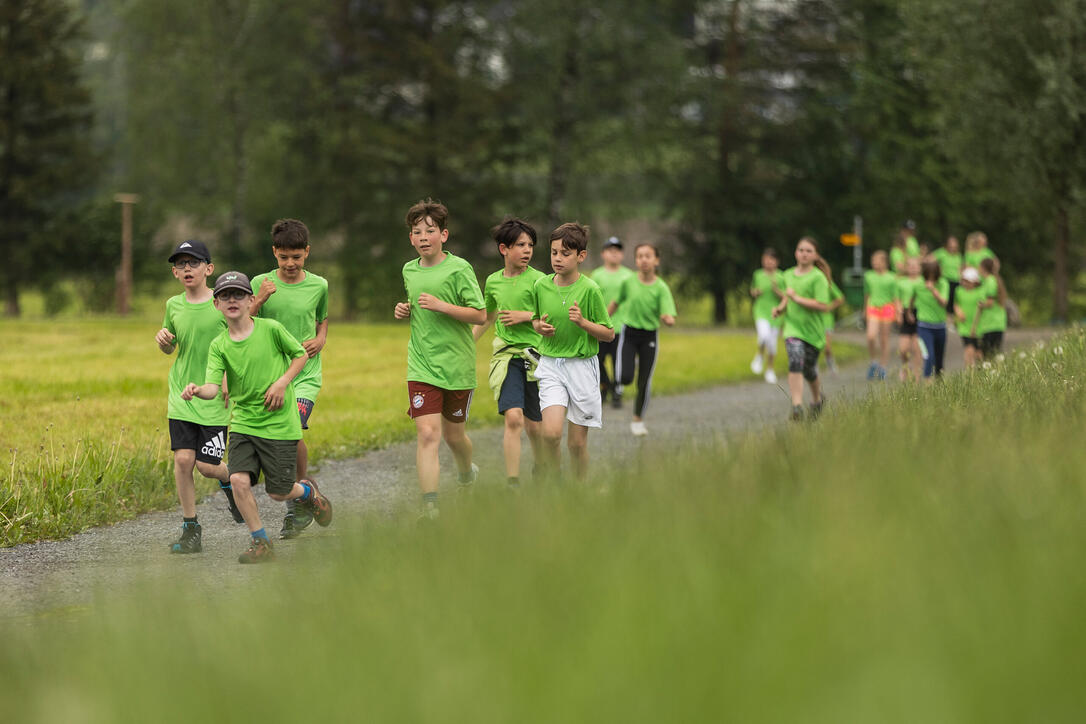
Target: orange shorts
885,313
427,399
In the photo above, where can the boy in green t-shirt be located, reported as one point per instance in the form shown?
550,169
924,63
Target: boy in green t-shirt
297,299
443,302
260,359
571,317
197,427
509,302
610,277
767,288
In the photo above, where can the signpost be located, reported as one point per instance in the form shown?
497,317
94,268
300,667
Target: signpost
124,272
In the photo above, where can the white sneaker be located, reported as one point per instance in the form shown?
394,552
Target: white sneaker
771,377
637,427
756,364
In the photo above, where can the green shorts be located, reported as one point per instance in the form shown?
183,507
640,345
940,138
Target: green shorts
278,459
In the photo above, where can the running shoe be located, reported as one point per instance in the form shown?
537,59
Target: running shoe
191,540
297,519
429,514
232,506
831,364
771,377
319,507
881,373
797,413
259,551
872,370
637,427
756,365
616,401
816,409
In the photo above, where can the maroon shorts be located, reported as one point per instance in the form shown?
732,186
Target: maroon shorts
426,399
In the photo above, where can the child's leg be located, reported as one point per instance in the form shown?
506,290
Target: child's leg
534,430
620,345
874,332
626,357
577,442
303,460
243,497
810,372
795,349
607,349
554,417
940,350
884,342
916,357
771,346
514,425
428,430
183,463
456,437
646,366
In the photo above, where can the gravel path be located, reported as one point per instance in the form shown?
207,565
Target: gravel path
59,576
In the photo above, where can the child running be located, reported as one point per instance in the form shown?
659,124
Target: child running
908,344
260,360
509,297
610,277
297,299
807,293
931,300
880,291
993,314
444,301
767,288
197,427
645,301
572,319
949,256
967,304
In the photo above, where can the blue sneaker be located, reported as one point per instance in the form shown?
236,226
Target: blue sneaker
872,370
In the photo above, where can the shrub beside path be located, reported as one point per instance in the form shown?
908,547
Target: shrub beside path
64,576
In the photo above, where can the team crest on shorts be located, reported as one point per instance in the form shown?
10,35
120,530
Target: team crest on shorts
417,401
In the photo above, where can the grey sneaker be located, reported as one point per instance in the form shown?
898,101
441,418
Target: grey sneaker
816,408
466,482
429,515
297,519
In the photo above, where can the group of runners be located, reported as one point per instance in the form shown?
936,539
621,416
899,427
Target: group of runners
921,292
249,362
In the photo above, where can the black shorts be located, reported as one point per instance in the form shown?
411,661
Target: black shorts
973,342
907,327
802,357
518,392
991,343
278,459
305,409
209,441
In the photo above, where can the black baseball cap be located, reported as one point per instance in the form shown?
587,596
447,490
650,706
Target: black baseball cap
909,224
195,249
612,241
232,280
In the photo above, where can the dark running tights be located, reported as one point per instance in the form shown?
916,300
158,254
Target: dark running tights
637,350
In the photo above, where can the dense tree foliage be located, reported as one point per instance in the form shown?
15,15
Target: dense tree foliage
719,126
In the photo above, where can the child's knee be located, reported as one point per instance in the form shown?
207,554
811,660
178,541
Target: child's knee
577,447
514,419
184,459
208,470
241,481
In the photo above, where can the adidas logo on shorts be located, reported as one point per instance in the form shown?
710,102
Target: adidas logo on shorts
459,413
216,446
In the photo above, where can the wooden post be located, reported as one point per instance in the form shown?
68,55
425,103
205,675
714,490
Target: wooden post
124,272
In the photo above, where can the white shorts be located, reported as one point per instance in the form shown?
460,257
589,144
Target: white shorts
572,383
767,333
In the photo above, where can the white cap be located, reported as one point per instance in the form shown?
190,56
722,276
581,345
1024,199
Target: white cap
970,274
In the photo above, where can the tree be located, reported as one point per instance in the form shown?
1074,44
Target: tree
45,117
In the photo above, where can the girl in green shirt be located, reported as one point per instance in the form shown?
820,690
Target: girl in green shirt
807,294
967,310
931,300
949,256
645,301
993,314
908,346
880,291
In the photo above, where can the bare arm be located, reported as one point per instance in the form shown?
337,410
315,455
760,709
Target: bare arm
468,315
204,392
274,395
668,319
480,329
316,344
267,288
599,331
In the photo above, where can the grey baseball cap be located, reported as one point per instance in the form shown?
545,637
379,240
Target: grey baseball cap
232,280
612,241
195,249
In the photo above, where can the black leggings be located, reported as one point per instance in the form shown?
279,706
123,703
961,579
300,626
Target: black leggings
640,344
607,387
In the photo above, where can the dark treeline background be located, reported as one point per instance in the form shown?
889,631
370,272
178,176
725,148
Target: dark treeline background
713,128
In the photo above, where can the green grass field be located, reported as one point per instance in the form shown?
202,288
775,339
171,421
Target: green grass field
84,411
915,557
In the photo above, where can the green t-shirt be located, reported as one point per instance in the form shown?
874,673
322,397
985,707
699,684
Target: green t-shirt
806,324
966,300
252,366
299,307
949,264
610,283
928,308
880,289
974,258
912,247
905,291
767,300
514,294
897,261
193,327
993,318
568,339
828,317
441,351
642,304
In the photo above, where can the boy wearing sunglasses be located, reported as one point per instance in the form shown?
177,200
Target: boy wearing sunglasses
197,427
260,360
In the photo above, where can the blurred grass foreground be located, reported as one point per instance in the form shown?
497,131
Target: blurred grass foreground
915,557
